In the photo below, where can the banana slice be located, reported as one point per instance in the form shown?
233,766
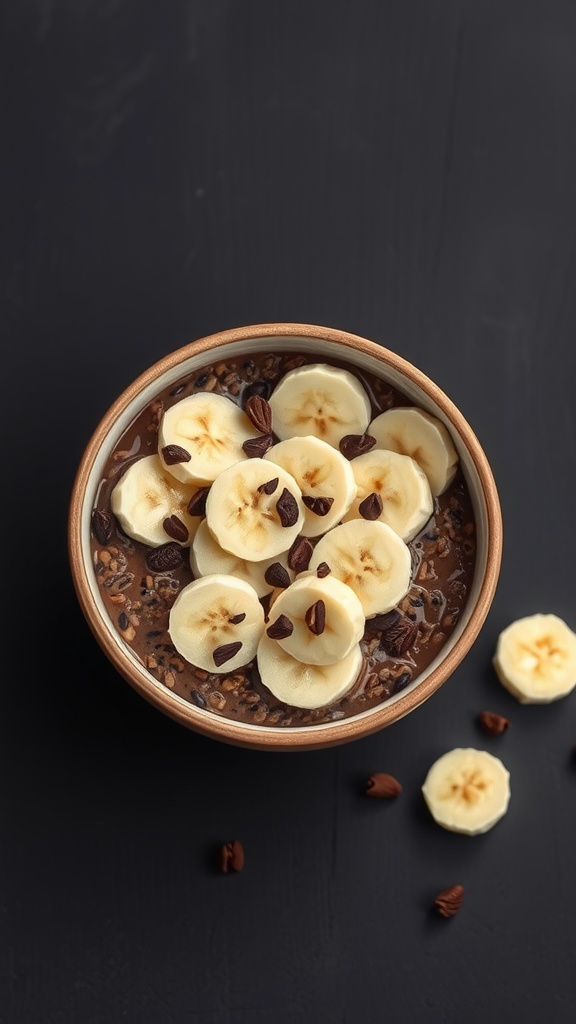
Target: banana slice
413,432
467,790
151,505
305,686
535,659
323,475
324,616
393,489
201,435
369,557
254,510
216,623
207,557
321,400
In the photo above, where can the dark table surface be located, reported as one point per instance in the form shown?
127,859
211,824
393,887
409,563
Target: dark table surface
402,169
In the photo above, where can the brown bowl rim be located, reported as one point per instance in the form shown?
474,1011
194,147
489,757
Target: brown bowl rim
307,737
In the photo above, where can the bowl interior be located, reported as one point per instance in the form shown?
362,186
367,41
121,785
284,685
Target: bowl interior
323,343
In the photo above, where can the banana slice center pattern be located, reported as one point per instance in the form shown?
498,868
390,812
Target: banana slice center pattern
469,788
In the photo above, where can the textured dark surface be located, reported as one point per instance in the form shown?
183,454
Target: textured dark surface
402,169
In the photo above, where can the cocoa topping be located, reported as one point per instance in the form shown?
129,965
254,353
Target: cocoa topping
197,503
315,618
319,506
225,653
259,413
102,525
166,557
280,629
287,509
176,529
371,507
277,576
300,554
173,454
352,445
256,447
269,487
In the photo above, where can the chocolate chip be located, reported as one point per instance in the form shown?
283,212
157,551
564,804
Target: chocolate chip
197,503
319,506
225,653
379,623
231,856
287,508
258,387
237,619
102,525
383,786
323,570
259,413
371,507
280,629
492,723
300,554
402,681
173,454
315,618
277,576
352,445
448,902
198,698
256,447
269,487
123,621
176,529
166,557
399,636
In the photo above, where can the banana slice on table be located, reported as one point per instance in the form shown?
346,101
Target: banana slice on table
467,790
535,659
254,510
318,621
207,557
323,475
305,686
325,401
413,432
393,489
371,559
151,505
216,623
201,435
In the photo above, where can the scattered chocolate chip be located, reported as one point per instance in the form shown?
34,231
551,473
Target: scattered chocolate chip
352,445
280,629
231,857
102,525
198,698
320,506
315,618
256,447
258,387
402,681
300,554
277,576
225,653
123,621
172,454
259,413
447,903
379,623
197,503
383,786
323,570
371,507
164,558
269,487
492,723
399,636
287,508
237,619
176,529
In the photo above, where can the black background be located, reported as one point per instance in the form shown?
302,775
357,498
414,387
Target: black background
402,169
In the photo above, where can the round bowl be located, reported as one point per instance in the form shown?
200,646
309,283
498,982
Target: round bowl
317,343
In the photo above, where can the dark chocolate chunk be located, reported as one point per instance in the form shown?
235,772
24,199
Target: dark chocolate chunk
262,388
323,570
102,525
173,454
320,506
198,698
237,619
300,554
226,652
399,636
166,557
269,487
231,856
277,576
315,618
259,413
256,447
287,508
176,529
123,621
352,445
371,507
197,503
280,629
492,723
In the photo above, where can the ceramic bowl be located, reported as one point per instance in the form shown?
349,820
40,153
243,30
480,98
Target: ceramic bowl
320,343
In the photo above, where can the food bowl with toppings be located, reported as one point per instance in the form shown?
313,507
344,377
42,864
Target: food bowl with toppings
284,536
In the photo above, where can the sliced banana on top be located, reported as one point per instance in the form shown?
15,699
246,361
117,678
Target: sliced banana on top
318,621
305,686
254,510
201,435
325,401
411,431
216,623
324,476
151,505
393,489
535,659
207,557
467,790
371,559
